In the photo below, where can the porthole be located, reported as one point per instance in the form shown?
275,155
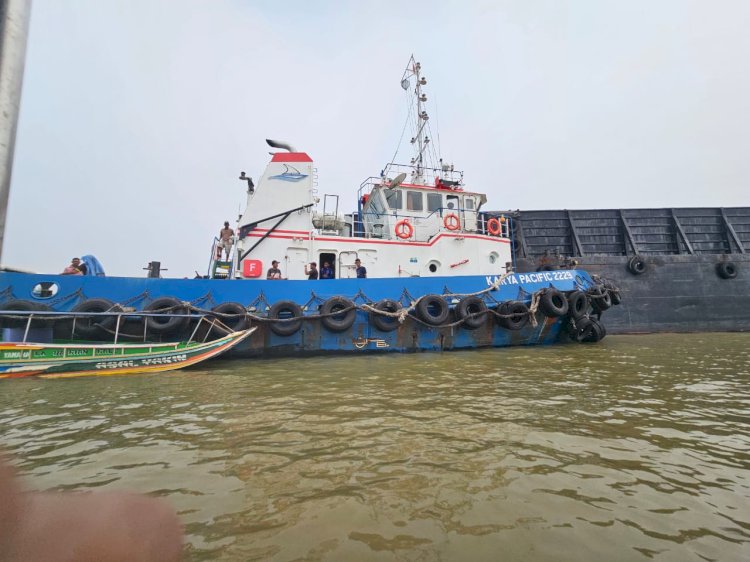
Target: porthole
433,266
45,290
494,257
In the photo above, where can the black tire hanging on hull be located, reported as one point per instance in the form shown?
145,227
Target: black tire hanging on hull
433,310
514,315
168,325
342,311
24,306
473,311
637,265
284,310
93,327
601,299
726,270
578,304
553,303
385,323
237,321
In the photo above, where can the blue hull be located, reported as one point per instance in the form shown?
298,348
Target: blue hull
313,337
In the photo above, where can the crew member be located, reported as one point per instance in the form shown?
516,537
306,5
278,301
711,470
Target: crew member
226,239
361,269
274,272
312,273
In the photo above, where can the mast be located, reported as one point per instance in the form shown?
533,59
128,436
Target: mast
420,141
14,28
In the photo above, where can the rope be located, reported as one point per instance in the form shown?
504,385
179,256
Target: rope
600,290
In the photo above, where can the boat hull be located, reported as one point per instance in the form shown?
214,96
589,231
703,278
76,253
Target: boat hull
77,360
313,336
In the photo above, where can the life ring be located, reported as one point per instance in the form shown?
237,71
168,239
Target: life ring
169,324
433,309
726,270
385,323
342,311
403,229
451,221
494,227
512,315
473,311
637,265
284,310
553,303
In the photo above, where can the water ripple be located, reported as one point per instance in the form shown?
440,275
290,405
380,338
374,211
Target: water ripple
635,448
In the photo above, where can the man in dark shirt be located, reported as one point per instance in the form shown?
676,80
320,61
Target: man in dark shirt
312,273
326,272
361,269
274,272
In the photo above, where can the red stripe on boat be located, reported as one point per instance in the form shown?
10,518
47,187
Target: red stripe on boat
291,157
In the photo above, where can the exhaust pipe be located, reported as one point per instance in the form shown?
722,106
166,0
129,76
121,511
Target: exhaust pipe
279,144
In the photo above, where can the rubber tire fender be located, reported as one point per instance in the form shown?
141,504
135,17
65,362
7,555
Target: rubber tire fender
290,309
93,327
239,321
590,331
473,311
385,323
601,299
165,326
520,316
433,310
637,265
24,306
342,321
553,303
616,297
726,270
578,304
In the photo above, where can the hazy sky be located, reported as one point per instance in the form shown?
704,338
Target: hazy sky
138,115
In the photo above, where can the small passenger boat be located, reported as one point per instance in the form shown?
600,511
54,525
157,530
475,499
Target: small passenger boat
76,359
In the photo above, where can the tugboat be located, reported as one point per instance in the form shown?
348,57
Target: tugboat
417,266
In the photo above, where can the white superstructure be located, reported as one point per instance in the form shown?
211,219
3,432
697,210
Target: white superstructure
412,220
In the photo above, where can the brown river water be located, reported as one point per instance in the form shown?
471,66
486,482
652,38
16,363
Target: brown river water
636,448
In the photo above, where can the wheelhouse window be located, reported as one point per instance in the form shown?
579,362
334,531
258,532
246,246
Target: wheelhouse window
394,199
414,201
469,203
434,201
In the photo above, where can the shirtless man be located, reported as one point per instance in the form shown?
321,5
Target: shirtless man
226,239
75,268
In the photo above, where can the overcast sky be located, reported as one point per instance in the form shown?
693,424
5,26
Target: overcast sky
137,116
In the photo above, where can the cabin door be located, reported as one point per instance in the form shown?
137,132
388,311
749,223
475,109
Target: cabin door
347,269
294,263
469,213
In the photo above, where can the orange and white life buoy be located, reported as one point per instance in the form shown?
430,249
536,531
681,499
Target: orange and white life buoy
404,229
494,227
451,221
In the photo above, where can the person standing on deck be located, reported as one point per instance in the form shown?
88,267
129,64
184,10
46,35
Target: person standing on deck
312,273
274,272
361,269
326,272
226,239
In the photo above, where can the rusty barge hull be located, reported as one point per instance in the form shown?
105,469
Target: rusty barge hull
678,269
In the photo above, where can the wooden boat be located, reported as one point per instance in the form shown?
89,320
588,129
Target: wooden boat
87,359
